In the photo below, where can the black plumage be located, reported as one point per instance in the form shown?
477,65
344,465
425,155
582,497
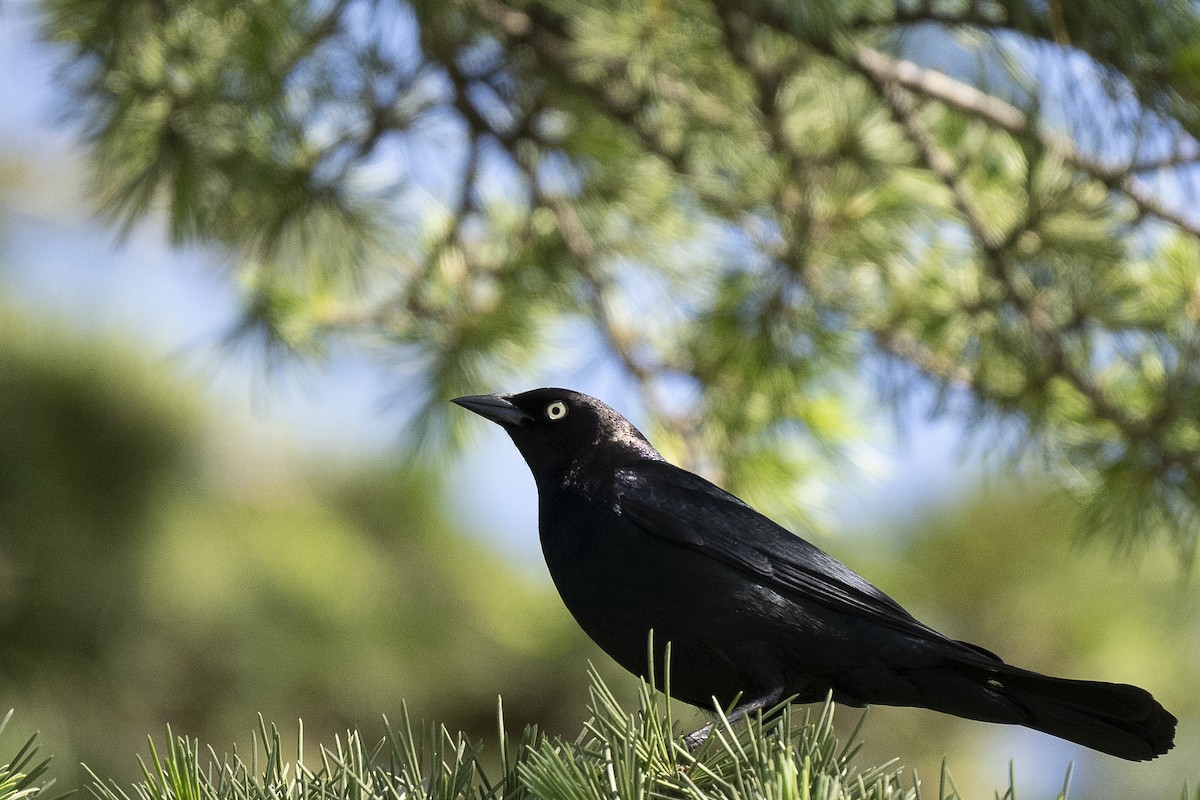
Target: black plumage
635,544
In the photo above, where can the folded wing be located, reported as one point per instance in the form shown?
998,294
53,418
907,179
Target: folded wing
678,506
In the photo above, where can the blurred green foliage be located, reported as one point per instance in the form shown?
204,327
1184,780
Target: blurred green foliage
157,565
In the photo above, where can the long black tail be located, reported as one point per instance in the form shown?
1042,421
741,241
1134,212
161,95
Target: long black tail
1114,718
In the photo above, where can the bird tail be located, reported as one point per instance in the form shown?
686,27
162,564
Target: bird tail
1114,718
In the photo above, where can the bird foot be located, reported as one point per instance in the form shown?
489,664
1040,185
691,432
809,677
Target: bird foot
696,738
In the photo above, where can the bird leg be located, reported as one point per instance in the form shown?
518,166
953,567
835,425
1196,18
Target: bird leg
696,738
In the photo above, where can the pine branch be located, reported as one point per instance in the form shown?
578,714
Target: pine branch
545,32
937,160
621,342
887,71
21,777
621,753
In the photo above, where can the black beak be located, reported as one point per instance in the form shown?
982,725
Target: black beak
495,407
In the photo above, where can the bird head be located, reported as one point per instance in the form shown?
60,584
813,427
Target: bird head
559,431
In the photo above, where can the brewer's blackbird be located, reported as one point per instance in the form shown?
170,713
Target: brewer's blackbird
752,611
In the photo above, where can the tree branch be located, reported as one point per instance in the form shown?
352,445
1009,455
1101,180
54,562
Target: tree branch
878,67
937,160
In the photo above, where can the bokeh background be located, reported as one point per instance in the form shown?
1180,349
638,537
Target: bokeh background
192,533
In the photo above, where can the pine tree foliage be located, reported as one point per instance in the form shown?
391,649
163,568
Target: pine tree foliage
622,753
21,775
752,204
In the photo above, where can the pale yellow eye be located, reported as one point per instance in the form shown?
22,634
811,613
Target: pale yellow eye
556,410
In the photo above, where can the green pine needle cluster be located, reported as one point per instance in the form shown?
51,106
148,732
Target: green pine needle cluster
621,753
20,776
631,754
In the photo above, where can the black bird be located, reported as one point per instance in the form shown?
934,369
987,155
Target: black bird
635,544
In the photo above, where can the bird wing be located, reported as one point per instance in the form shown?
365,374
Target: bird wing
676,505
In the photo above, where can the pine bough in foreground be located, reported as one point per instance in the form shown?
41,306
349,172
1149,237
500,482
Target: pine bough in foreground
619,754
19,775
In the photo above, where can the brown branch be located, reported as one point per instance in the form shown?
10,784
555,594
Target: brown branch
619,340
546,34
878,67
790,196
583,248
937,160
932,83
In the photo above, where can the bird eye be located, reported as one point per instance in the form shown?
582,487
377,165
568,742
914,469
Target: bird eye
556,410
